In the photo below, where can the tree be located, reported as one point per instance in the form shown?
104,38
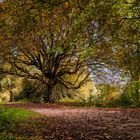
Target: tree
47,42
126,38
116,28
51,40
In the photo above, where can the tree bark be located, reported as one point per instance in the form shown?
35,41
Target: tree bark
47,98
11,97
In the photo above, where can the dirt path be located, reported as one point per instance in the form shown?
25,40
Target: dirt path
68,123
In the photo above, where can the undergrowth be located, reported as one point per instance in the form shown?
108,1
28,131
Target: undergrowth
11,120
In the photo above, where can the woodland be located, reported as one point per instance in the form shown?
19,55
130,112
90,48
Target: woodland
70,65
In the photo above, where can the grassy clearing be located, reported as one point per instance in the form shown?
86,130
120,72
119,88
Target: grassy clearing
12,120
17,113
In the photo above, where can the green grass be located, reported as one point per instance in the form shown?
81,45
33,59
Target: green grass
17,113
12,119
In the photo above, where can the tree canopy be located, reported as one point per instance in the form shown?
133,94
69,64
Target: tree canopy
51,40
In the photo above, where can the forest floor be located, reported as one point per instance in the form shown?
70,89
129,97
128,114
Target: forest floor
71,123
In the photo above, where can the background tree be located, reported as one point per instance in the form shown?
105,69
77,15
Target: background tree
127,38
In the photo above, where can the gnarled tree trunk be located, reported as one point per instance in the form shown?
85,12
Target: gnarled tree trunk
47,96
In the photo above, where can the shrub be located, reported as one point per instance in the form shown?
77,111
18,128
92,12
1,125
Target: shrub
105,96
32,91
130,95
110,96
28,90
